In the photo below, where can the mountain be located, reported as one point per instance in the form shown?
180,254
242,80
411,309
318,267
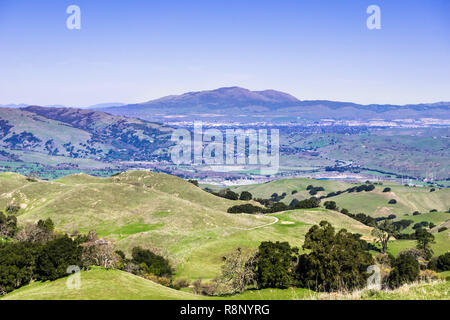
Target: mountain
239,104
106,105
77,134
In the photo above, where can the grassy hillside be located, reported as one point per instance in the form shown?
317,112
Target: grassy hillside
133,208
438,218
187,224
205,261
441,245
53,136
100,284
374,203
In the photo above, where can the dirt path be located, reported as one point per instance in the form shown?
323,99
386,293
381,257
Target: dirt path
264,225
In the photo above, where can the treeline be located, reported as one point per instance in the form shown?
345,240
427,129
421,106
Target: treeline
274,204
365,187
273,207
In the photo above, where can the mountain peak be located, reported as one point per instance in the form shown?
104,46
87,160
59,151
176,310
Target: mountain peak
236,94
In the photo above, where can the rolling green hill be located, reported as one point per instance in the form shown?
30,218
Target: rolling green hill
374,203
160,211
101,284
125,208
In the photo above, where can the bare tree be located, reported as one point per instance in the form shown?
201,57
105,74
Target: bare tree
98,252
238,270
383,233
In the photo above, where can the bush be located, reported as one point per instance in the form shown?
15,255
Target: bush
330,205
164,281
294,192
305,204
428,275
442,229
12,209
275,264
245,208
392,201
402,224
230,195
405,270
278,207
8,226
194,182
420,225
441,263
181,283
55,257
416,213
246,196
150,262
17,264
387,190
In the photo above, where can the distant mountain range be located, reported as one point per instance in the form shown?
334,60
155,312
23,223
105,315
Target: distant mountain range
239,104
78,134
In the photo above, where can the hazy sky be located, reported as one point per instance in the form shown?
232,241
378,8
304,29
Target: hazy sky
133,51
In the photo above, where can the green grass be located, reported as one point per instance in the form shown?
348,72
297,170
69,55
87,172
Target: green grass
188,225
205,261
276,294
436,217
426,291
133,208
441,245
374,203
100,284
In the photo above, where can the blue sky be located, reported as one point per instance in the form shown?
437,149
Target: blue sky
134,51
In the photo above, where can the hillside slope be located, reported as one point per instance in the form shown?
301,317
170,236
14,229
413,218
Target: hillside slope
100,284
190,226
374,203
73,134
126,207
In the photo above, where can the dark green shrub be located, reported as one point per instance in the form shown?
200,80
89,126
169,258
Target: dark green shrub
405,270
150,262
55,257
276,262
245,208
246,196
17,264
330,205
441,263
